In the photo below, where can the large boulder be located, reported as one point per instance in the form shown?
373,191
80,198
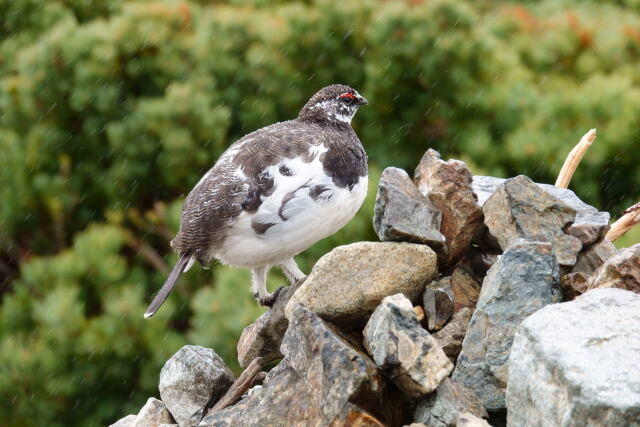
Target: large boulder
442,408
578,363
522,281
193,378
402,213
520,209
319,379
590,225
621,270
349,282
406,352
447,184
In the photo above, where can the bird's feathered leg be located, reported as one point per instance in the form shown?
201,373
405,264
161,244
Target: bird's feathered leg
168,285
259,286
292,272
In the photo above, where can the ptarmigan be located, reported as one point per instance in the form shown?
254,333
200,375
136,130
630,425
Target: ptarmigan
274,193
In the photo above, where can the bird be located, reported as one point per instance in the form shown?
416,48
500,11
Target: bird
274,193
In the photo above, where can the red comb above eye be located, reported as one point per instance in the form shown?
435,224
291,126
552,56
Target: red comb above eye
347,95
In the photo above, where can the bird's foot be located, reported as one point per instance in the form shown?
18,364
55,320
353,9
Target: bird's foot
269,299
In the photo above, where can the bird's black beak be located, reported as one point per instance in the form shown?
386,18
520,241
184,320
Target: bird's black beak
362,100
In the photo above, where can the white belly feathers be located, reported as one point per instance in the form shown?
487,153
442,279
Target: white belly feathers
304,207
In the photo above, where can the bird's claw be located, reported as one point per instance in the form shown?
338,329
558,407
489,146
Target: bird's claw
269,299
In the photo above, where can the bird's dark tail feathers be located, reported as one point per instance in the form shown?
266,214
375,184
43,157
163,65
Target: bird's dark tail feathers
168,285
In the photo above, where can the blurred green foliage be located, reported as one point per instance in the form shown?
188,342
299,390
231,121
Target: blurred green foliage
110,111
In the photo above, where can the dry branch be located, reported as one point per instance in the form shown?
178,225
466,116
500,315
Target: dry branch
573,159
626,222
240,386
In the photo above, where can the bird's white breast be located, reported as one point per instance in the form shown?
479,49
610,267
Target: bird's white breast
296,215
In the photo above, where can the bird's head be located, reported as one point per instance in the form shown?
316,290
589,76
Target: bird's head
335,104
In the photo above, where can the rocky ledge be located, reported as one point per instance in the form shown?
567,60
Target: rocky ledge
487,301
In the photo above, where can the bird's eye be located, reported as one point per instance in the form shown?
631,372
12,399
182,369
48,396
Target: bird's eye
347,97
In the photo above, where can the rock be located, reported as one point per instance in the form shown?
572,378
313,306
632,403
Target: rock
520,209
590,224
353,415
320,375
469,420
124,422
450,337
464,287
438,306
263,337
152,414
402,213
441,409
590,259
485,186
578,363
349,282
573,285
191,379
522,281
403,350
622,271
448,187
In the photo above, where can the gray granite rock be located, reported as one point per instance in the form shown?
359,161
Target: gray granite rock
438,304
403,349
485,186
520,209
124,422
441,408
573,285
451,336
590,224
191,379
591,258
447,184
152,414
578,363
349,282
469,420
403,214
263,337
523,280
321,374
354,416
622,270
464,286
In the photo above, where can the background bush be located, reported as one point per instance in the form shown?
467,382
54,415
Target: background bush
110,111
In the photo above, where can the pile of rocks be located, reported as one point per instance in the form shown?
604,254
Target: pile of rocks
456,317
